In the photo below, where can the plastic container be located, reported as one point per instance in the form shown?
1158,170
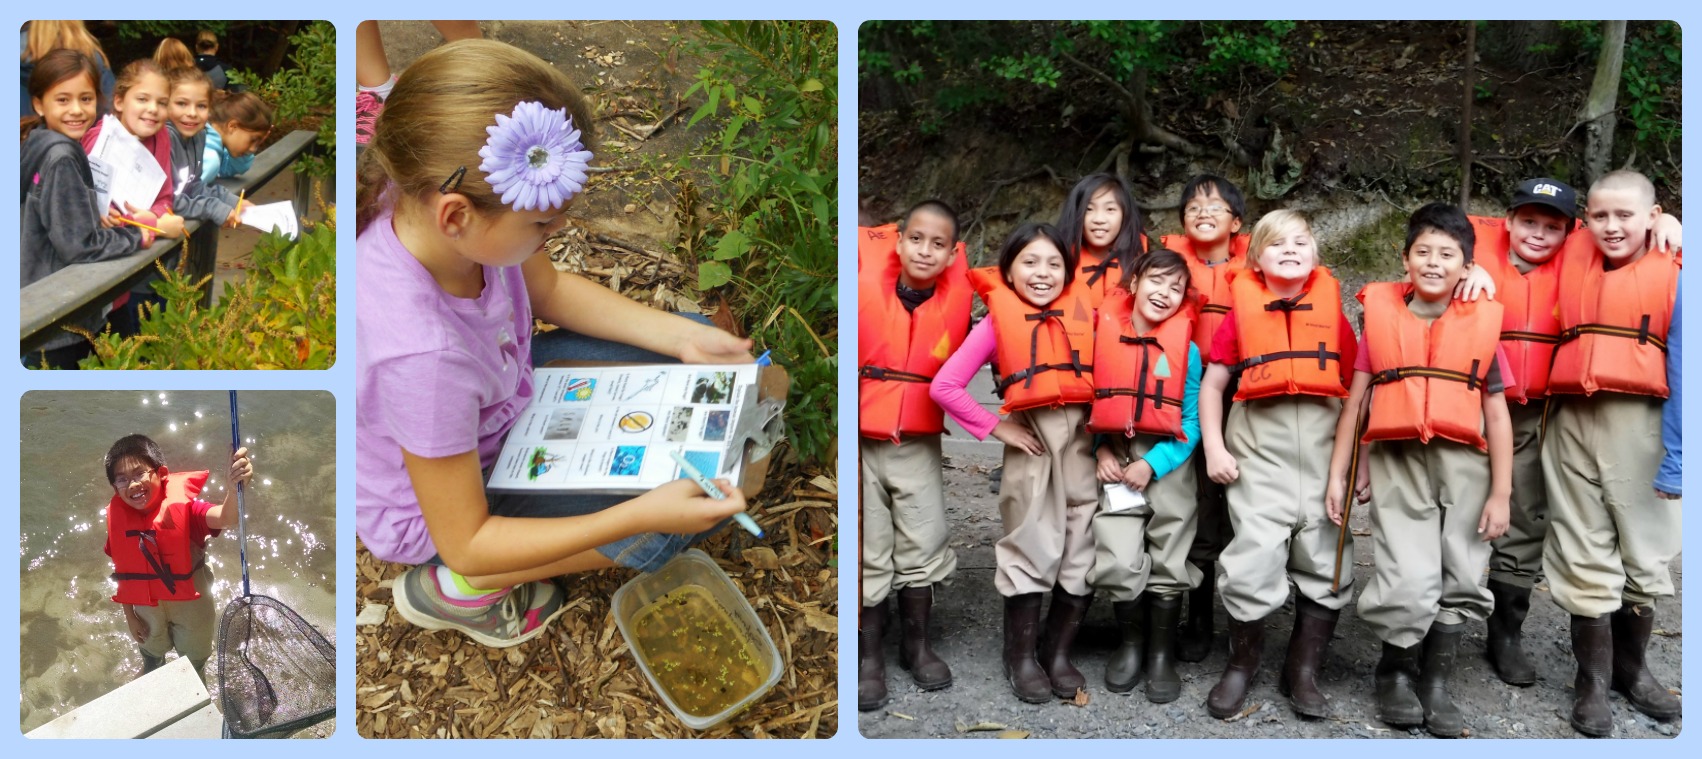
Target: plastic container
694,567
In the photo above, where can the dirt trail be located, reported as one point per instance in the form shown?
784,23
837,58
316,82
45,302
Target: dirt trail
968,620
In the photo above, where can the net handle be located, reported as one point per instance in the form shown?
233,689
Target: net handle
241,513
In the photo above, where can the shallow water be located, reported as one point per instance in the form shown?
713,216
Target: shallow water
74,644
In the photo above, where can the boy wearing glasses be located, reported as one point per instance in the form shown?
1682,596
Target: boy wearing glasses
156,533
1212,244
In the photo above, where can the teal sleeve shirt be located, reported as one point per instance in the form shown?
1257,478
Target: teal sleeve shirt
1166,456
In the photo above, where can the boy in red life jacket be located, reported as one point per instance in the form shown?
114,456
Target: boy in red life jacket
1146,378
1522,255
157,531
1440,458
1211,242
913,303
1285,352
1610,540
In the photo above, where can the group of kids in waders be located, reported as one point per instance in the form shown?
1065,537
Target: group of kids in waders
196,131
1501,409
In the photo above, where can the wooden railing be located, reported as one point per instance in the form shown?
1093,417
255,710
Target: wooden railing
72,293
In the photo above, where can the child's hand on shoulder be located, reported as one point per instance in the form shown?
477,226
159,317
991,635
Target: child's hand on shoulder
708,345
682,508
1476,284
241,468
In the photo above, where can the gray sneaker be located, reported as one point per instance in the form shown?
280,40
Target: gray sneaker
519,617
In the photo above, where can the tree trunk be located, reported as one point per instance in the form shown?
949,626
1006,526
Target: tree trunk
1598,115
1522,45
281,46
1470,77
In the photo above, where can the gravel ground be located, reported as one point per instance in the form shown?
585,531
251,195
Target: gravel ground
968,620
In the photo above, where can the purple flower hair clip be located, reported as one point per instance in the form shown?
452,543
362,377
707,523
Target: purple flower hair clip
534,158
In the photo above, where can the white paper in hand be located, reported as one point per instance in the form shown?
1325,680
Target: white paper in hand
1120,497
278,216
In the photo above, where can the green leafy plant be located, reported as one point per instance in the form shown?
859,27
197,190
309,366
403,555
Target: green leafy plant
282,315
772,176
306,90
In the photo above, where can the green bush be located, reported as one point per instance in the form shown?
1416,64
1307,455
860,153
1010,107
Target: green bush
306,89
282,315
773,179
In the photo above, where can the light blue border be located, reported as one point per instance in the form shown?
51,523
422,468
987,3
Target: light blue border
340,379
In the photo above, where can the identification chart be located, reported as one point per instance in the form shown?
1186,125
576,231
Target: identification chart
609,429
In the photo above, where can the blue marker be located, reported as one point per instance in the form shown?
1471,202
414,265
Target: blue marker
691,473
762,360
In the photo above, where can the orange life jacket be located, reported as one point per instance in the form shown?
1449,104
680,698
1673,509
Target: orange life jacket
1098,278
152,556
1044,356
899,351
1288,347
1211,282
1428,379
1530,320
1138,380
1614,326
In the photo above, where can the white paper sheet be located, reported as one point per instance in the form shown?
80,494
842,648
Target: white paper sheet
1120,497
278,216
131,174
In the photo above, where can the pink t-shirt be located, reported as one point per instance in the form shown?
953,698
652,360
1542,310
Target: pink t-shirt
435,374
951,382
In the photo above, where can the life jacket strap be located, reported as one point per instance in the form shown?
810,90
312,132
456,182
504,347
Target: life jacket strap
144,540
1530,337
1641,334
870,371
1214,308
1472,379
1323,354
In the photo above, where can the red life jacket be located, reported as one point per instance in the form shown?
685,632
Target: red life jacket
1098,278
1530,315
1138,380
1044,356
152,556
1288,347
1614,326
898,351
1429,379
1211,282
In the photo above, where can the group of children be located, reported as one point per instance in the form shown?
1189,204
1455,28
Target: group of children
1467,423
195,131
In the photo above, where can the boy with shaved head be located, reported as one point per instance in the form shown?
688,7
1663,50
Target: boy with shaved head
1610,539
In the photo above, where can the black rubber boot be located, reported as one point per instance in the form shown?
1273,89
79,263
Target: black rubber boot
1632,626
871,660
1022,627
1194,644
1441,651
914,654
150,663
1246,643
1506,634
1062,624
1163,685
1126,667
1592,646
1397,674
1313,626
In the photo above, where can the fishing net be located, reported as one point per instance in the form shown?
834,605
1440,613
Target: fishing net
276,672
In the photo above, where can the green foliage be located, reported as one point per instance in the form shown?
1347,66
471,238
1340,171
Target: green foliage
1650,83
772,166
183,30
960,66
306,89
282,315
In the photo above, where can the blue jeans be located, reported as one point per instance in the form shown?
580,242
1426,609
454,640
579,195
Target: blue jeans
645,552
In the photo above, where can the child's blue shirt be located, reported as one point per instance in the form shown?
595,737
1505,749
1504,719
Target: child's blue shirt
217,162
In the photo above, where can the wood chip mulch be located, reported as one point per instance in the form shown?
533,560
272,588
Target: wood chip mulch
579,680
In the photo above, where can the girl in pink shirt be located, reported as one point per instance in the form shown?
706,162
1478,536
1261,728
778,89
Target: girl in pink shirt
1039,334
470,170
